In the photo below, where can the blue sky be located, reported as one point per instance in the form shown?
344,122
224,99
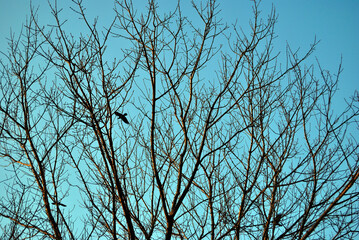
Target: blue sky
333,22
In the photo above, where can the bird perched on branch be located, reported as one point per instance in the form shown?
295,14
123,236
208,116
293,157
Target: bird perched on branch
122,117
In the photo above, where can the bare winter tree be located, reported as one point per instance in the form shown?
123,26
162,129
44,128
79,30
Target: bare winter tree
223,141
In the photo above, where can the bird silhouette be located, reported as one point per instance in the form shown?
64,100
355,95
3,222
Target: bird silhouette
122,117
277,219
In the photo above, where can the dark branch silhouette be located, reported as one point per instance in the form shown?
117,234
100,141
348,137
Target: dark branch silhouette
122,117
58,203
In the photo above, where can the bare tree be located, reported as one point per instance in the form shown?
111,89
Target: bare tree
222,141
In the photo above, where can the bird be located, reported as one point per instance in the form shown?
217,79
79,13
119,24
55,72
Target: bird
58,203
122,117
277,219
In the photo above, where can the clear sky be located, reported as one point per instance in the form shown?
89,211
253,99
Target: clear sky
335,23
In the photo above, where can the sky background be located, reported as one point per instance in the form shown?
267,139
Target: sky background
334,23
